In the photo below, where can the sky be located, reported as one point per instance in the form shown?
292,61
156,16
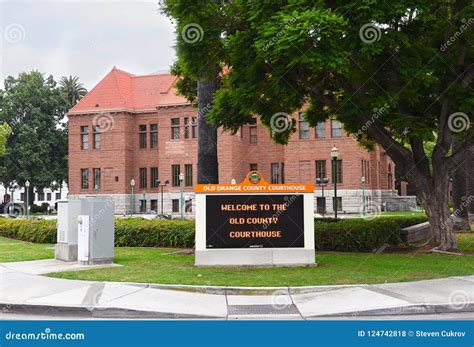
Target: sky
84,38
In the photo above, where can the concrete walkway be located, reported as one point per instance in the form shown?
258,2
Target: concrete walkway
23,290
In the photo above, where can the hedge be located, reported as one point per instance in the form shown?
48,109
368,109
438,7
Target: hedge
361,235
330,235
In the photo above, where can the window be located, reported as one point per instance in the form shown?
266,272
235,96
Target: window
390,178
188,206
321,130
154,177
303,127
58,196
84,137
188,175
336,128
338,171
154,205
253,134
275,174
175,171
321,169
337,201
143,178
22,196
96,178
186,127
40,196
154,136
175,205
142,204
96,135
142,131
282,173
175,128
194,127
85,178
48,196
253,167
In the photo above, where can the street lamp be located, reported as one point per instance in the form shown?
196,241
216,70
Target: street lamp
162,186
363,195
27,202
334,156
132,197
181,181
322,183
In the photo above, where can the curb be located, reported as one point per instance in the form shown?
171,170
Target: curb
405,310
96,312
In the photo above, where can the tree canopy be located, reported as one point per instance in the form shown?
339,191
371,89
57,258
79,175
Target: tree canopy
395,73
34,108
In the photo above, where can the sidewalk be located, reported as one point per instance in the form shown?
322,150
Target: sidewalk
23,290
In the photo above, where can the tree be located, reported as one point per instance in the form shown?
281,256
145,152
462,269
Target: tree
33,108
72,89
460,179
394,73
199,27
5,132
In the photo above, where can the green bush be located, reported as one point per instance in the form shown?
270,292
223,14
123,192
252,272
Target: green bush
361,235
137,232
350,235
130,232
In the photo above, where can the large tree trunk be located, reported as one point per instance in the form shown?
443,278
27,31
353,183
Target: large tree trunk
208,171
460,194
435,201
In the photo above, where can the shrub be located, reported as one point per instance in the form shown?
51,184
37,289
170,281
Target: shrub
130,232
361,235
330,235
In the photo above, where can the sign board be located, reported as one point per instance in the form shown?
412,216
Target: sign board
254,223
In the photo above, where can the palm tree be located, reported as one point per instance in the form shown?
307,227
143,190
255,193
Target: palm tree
73,90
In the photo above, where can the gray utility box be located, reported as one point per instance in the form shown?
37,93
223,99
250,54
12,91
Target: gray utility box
66,246
96,231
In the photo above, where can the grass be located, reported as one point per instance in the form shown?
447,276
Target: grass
402,214
14,250
163,266
159,265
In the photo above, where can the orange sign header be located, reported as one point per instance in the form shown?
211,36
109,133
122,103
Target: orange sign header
254,183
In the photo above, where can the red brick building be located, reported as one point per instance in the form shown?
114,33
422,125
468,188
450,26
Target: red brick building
136,128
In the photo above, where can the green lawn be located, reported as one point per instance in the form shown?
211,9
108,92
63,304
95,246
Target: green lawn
153,265
160,266
14,250
402,213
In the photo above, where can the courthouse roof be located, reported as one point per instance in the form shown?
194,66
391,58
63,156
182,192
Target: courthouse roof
121,90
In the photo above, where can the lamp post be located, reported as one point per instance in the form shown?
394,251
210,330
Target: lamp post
322,183
334,156
132,197
27,202
162,185
363,195
181,185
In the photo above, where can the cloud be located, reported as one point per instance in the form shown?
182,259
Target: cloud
86,38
